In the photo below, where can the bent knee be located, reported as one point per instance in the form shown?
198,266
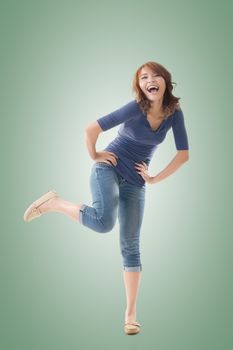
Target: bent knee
105,225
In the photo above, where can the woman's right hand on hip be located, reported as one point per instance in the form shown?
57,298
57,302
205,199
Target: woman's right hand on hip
106,157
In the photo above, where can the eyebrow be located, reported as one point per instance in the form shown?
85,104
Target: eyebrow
147,73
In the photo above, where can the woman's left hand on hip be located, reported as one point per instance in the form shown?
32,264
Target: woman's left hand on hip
142,169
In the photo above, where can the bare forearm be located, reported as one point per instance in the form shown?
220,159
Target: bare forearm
91,135
175,164
91,138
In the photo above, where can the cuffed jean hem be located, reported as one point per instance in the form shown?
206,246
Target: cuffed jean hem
133,268
81,213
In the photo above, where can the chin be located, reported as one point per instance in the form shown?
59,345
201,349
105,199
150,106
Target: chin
153,98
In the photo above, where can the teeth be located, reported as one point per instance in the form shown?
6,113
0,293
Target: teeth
153,86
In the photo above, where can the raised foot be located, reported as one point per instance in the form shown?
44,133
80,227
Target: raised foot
49,205
37,208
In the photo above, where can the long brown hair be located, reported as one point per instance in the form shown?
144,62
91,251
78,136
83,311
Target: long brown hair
170,102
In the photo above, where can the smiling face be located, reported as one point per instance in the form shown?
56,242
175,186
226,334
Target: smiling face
152,84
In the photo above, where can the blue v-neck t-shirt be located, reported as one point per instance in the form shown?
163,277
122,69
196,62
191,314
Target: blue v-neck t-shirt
136,141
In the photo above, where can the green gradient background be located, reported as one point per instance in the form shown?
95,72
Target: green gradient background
63,65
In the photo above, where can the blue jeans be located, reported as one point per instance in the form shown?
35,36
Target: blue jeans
112,195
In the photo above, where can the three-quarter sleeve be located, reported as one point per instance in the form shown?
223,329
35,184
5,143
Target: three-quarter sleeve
179,131
119,116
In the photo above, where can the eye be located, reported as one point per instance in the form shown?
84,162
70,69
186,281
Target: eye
158,75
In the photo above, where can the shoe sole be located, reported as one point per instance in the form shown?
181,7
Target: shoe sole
131,332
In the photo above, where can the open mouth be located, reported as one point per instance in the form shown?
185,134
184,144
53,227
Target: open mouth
153,89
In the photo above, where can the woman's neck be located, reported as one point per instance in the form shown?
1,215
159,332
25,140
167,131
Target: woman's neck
156,110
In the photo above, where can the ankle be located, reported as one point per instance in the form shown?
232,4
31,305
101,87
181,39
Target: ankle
130,315
130,319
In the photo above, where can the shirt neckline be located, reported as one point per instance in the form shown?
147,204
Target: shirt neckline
147,121
148,124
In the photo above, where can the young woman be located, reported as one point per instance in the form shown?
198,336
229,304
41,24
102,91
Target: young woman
120,171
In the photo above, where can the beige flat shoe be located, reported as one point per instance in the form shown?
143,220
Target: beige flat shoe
132,327
33,211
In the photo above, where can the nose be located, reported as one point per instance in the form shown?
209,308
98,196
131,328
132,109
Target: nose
152,79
